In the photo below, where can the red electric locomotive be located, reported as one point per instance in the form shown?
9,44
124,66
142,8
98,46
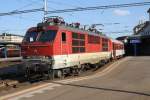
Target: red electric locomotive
57,48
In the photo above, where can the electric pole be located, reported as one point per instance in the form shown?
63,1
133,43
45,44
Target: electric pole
45,9
149,13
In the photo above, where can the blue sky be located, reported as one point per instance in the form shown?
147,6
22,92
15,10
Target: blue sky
127,17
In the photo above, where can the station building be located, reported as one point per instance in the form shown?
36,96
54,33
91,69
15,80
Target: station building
10,38
138,44
10,45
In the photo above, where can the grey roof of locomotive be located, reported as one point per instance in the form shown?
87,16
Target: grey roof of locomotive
78,30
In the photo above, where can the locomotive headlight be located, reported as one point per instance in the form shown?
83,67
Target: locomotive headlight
125,41
46,57
26,57
38,58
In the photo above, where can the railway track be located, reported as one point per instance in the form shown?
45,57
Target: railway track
19,82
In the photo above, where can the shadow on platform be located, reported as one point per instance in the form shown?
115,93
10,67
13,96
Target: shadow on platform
104,89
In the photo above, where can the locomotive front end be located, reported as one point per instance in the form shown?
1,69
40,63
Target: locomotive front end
37,49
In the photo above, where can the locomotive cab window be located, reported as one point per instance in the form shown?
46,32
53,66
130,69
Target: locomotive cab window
30,37
47,36
63,36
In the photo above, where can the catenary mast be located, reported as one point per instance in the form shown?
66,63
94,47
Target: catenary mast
45,9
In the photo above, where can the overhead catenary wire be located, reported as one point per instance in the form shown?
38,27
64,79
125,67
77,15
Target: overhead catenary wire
60,3
21,12
99,7
122,31
78,8
32,2
28,5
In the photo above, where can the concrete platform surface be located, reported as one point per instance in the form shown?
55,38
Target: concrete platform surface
127,79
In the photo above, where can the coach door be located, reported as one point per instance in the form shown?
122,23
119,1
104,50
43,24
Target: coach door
64,46
114,50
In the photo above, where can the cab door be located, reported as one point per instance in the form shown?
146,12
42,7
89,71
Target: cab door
64,43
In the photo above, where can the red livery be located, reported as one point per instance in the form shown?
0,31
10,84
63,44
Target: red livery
57,48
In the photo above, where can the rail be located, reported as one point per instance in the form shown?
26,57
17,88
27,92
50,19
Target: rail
10,59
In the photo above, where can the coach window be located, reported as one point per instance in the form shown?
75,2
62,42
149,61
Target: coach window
63,37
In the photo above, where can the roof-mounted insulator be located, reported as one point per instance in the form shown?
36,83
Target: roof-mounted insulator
55,20
76,25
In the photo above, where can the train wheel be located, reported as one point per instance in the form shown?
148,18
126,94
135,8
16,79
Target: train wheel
87,67
27,74
49,74
59,73
78,71
82,69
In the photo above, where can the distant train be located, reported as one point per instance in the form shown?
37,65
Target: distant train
9,52
56,48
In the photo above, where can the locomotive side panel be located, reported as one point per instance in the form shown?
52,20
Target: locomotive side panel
92,54
64,61
61,49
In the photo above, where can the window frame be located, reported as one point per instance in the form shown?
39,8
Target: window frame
92,39
79,46
65,37
105,45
